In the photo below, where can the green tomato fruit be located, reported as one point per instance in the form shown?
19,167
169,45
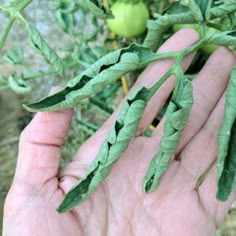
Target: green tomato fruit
208,49
130,18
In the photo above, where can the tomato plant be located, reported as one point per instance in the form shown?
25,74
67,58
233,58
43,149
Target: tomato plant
130,18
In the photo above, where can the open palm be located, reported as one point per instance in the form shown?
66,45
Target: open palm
181,205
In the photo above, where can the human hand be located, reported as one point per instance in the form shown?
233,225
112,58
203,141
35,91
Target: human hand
119,206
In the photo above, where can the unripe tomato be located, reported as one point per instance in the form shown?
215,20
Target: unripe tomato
130,18
208,48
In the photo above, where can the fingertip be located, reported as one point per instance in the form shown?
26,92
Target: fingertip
182,39
188,32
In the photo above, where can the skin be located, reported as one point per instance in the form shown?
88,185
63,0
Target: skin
119,207
208,49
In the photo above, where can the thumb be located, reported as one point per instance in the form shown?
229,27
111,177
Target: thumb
39,146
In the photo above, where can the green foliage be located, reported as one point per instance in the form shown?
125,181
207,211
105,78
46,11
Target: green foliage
65,17
158,27
183,14
116,143
14,56
47,52
98,9
19,86
103,72
177,114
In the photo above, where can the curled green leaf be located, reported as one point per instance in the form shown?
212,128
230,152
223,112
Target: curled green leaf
86,126
220,38
94,79
47,52
116,143
98,9
157,28
177,115
65,20
19,86
226,157
179,15
204,6
196,8
15,56
224,9
162,5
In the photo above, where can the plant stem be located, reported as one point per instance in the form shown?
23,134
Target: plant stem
178,61
178,70
39,74
160,56
158,84
50,72
123,78
6,32
105,2
13,12
181,54
22,5
193,48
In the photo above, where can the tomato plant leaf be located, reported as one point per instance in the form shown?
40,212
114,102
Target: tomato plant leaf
157,28
19,86
224,9
177,115
177,8
221,38
203,5
15,56
162,5
194,8
98,9
46,51
65,20
94,79
226,158
116,143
